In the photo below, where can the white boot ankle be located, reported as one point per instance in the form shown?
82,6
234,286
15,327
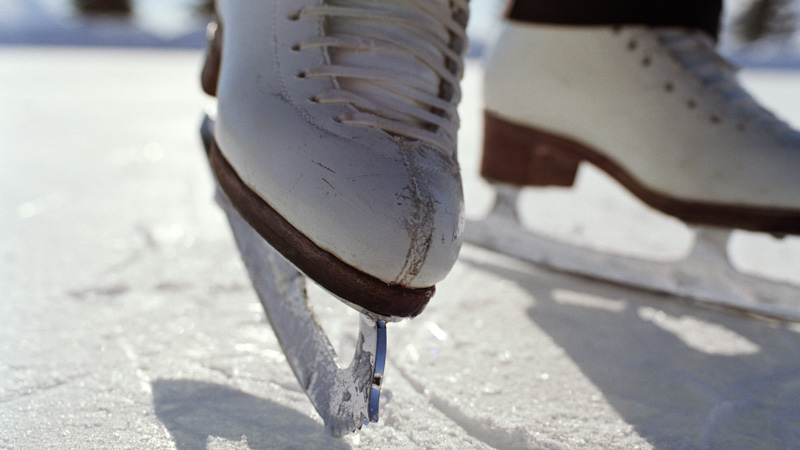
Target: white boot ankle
656,108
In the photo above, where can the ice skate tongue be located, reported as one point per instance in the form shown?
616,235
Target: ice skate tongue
397,63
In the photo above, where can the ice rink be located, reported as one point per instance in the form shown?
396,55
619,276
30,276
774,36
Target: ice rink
127,319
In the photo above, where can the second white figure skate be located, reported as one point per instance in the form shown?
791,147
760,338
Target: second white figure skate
663,114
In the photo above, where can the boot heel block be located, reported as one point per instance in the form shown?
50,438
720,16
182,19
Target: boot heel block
523,156
209,77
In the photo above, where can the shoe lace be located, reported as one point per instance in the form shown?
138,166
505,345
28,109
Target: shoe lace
696,53
397,63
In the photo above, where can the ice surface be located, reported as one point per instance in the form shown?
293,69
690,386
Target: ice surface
127,319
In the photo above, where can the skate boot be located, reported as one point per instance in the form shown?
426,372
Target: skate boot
662,113
334,145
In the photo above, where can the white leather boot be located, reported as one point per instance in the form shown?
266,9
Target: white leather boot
336,140
657,109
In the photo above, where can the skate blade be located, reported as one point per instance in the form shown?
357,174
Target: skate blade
345,397
705,275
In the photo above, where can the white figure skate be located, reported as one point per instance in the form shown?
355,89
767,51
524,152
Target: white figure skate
333,147
663,114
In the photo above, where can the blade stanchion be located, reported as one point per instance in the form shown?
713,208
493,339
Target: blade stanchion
345,397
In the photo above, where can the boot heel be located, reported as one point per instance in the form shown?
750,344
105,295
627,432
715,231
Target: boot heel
522,156
209,77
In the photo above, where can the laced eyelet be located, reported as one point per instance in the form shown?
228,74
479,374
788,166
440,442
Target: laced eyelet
295,16
402,112
296,48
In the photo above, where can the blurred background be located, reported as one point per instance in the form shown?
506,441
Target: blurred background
152,23
756,32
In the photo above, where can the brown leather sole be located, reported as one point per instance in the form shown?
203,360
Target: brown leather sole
328,271
524,156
